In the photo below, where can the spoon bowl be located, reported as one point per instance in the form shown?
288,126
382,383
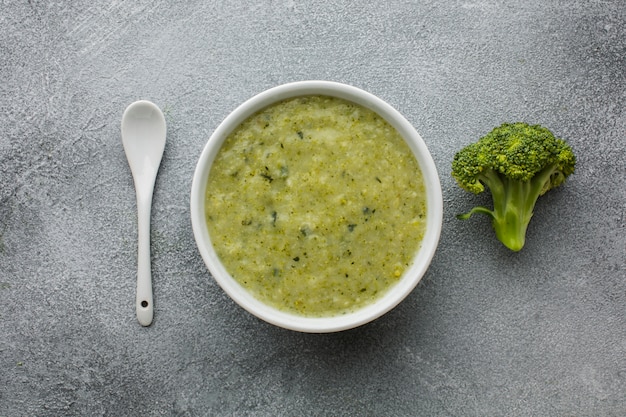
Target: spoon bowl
143,138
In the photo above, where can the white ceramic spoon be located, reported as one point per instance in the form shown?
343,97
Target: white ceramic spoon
143,137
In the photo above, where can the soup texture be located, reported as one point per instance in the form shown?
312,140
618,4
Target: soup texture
316,205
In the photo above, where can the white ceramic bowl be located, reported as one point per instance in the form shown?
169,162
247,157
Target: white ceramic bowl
411,276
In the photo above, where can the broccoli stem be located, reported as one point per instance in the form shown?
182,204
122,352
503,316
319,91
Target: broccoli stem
513,204
512,215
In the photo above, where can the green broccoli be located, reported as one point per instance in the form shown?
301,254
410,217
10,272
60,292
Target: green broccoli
518,163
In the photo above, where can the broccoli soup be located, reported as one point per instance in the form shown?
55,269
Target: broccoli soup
316,205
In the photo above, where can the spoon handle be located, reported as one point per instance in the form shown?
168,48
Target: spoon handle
144,302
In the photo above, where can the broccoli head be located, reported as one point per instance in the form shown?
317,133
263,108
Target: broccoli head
518,163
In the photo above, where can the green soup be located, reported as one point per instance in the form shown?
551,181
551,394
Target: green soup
316,205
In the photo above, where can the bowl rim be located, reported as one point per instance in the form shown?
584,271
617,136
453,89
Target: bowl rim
411,277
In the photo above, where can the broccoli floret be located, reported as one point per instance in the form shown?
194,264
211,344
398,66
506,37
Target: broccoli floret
518,163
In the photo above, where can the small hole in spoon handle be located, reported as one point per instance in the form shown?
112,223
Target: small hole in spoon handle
145,312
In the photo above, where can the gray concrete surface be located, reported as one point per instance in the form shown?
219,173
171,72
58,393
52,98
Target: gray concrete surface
487,332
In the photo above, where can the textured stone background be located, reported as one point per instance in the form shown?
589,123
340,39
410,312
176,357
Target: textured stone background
486,333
